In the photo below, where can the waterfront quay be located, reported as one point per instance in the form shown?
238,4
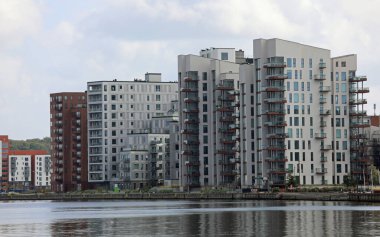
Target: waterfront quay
312,196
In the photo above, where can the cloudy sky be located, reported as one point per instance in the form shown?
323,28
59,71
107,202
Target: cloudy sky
55,46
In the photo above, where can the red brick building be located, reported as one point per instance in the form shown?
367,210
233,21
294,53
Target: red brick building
4,146
68,129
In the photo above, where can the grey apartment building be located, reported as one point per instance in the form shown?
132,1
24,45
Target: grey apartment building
117,109
293,110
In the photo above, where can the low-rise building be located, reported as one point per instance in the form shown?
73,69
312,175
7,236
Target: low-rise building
29,170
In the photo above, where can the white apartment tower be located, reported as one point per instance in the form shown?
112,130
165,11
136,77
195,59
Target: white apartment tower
208,119
292,110
116,109
299,122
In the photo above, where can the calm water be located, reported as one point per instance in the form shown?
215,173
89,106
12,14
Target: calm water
188,218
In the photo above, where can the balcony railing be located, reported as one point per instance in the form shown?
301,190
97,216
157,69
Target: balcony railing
324,88
320,135
320,77
321,170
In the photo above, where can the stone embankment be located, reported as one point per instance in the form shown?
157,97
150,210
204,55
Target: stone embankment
195,196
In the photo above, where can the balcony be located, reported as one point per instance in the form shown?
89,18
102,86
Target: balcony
278,170
191,110
189,90
324,89
322,100
191,100
359,90
360,124
189,131
225,86
274,64
320,77
276,147
234,92
323,159
277,135
358,101
321,170
190,142
275,112
190,79
191,121
275,124
322,65
324,112
358,112
326,147
320,135
276,77
220,108
273,88
279,100
276,159
358,79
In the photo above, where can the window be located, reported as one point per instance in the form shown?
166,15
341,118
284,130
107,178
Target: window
205,108
204,76
158,107
296,97
289,62
295,74
338,133
113,88
205,129
289,74
343,88
158,97
343,63
336,76
296,109
310,74
308,86
339,168
310,62
302,63
344,99
343,76
295,85
204,97
158,88
204,86
205,150
294,62
224,56
205,118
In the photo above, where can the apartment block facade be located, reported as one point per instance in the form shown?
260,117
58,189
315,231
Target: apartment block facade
68,129
29,170
116,109
4,171
208,119
293,111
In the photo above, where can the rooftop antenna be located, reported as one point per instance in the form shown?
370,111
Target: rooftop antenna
374,109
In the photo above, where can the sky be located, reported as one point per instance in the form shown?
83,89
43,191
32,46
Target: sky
56,46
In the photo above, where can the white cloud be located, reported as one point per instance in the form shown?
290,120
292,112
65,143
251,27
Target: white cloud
18,19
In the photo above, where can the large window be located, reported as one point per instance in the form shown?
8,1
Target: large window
224,56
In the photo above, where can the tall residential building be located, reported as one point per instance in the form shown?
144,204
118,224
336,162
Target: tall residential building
29,170
4,171
208,112
116,109
291,111
68,129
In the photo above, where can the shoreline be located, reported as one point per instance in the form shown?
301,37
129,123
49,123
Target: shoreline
288,196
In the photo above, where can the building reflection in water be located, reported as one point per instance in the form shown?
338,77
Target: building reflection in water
203,218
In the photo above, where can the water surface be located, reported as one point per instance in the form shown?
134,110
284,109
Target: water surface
188,218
